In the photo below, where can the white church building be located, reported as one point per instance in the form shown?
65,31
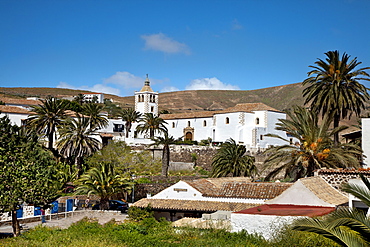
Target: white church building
246,123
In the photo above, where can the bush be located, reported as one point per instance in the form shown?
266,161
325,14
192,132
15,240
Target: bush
138,214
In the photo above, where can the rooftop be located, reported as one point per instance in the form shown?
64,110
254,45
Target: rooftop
192,205
288,210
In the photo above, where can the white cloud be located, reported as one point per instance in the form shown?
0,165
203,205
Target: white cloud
169,89
99,88
209,84
236,25
160,42
125,79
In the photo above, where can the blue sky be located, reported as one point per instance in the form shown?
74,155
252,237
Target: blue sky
109,46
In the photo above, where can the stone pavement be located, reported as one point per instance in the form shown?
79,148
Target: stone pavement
64,222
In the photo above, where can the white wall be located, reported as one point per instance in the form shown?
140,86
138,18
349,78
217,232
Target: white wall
265,225
15,118
183,191
366,140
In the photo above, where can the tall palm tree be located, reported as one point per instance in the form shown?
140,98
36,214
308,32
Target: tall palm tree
345,226
231,159
166,141
76,140
103,182
130,116
151,124
48,117
94,112
315,148
334,87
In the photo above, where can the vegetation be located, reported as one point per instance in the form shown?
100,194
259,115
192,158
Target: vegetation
27,171
76,140
334,87
345,226
150,232
124,160
94,113
314,150
151,124
166,141
49,116
130,116
102,181
231,159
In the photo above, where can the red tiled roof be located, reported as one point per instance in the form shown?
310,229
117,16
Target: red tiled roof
13,101
14,109
192,205
245,107
238,188
288,210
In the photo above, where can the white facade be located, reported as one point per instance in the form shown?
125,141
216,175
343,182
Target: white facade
183,191
90,97
265,225
366,141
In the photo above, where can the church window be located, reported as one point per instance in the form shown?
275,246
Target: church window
204,123
257,121
291,141
261,137
173,124
188,123
152,109
227,120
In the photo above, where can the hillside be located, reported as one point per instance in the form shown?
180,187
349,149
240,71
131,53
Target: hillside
281,97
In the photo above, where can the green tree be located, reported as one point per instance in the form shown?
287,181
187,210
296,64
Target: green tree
334,87
79,98
130,116
76,140
96,119
124,159
151,124
27,171
315,148
112,109
48,117
231,159
345,226
166,141
102,181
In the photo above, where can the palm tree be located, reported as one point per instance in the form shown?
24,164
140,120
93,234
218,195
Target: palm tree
151,124
231,159
345,226
97,119
130,116
314,150
166,141
334,87
76,140
48,117
103,182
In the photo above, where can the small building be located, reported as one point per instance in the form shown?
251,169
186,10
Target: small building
205,196
99,97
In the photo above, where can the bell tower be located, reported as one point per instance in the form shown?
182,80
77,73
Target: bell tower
146,101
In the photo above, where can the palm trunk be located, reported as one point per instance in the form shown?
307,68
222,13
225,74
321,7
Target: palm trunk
15,224
335,125
104,203
165,160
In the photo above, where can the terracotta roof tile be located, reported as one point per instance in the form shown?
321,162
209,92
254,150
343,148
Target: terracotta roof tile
238,187
12,101
192,205
342,171
288,210
245,107
14,109
324,191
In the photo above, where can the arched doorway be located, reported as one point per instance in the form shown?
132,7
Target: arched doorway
188,134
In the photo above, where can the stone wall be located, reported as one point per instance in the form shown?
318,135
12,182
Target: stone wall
337,177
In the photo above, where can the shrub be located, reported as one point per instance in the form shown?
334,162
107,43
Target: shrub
138,214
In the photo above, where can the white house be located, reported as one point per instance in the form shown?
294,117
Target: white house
194,198
91,96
